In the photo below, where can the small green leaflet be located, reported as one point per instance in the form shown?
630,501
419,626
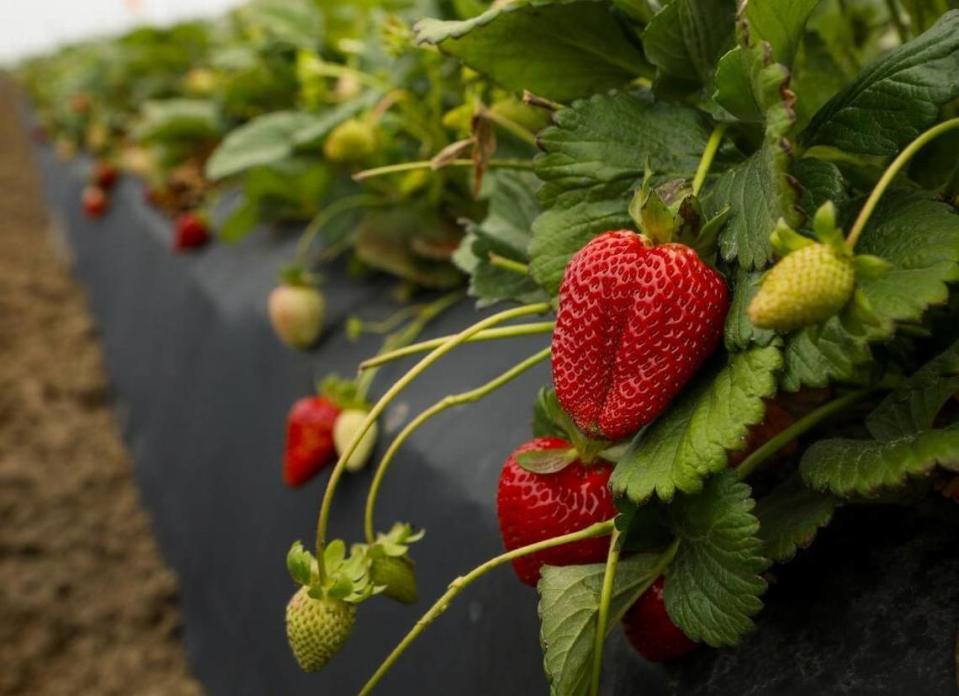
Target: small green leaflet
914,404
559,49
179,120
868,467
714,583
262,141
686,37
297,23
691,439
790,517
819,355
740,332
920,237
568,605
896,98
778,23
821,181
505,231
595,155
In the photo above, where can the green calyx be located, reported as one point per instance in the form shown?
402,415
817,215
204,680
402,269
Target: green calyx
672,213
814,280
346,578
550,420
390,565
342,392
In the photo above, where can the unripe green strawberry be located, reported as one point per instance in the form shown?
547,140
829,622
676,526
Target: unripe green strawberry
351,141
345,428
397,576
317,628
296,313
806,287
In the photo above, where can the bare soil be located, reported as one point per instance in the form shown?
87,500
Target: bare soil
87,605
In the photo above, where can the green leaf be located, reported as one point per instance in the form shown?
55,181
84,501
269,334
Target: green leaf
505,231
549,418
691,439
867,467
263,141
686,37
821,181
778,23
913,405
714,583
819,355
568,606
178,120
740,332
920,237
595,154
297,23
559,49
790,517
896,98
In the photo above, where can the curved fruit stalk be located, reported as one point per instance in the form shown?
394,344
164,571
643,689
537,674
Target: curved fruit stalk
345,429
296,314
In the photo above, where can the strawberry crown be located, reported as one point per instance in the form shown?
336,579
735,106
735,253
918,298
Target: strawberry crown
346,578
345,393
396,542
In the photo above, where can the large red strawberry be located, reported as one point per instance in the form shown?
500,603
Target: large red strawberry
535,506
651,632
635,322
309,439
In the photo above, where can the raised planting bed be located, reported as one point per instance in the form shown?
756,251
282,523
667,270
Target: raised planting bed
202,387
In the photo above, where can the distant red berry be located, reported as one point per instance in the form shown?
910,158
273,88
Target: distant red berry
309,439
532,507
104,175
94,201
190,232
774,422
635,322
651,632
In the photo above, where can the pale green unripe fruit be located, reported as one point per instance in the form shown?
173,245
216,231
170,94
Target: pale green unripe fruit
808,286
317,629
351,141
345,428
297,313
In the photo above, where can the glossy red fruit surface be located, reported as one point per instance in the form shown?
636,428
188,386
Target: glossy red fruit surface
650,631
634,324
190,232
94,202
309,439
532,507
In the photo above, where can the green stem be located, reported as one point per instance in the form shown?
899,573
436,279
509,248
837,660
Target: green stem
423,316
443,404
460,583
511,126
428,164
712,146
530,329
751,463
343,205
602,616
384,401
891,171
897,20
508,264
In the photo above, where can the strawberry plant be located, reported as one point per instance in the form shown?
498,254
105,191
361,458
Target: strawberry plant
743,218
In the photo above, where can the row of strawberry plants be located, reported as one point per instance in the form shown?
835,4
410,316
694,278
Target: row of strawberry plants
743,219
685,219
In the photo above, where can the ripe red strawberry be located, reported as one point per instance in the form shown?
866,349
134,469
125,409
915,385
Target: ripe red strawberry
651,632
309,439
532,507
635,322
94,201
104,175
190,232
